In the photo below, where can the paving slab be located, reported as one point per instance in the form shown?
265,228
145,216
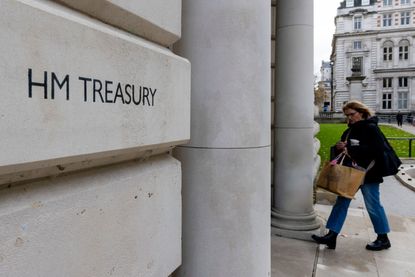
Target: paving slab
291,257
350,256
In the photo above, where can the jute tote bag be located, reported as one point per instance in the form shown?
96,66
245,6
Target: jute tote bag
340,179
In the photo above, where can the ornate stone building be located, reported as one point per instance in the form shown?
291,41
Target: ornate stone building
374,54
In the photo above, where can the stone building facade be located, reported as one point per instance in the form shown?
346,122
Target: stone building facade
326,83
136,136
374,54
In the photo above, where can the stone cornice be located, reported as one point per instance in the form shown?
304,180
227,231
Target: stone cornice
355,78
373,32
356,11
392,70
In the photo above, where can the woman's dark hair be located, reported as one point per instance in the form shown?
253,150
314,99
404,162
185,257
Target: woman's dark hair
358,107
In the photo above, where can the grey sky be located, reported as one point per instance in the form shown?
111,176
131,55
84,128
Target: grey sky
324,13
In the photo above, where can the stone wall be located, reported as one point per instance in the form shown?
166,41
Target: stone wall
92,103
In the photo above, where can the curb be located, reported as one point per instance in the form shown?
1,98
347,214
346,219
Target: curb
406,176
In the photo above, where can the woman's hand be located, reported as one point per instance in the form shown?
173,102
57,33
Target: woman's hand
341,145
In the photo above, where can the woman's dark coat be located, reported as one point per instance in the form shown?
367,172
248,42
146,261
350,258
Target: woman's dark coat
371,147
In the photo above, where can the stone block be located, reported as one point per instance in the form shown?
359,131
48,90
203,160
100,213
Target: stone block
125,221
156,20
74,89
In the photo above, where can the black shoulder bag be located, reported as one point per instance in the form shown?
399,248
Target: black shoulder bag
391,162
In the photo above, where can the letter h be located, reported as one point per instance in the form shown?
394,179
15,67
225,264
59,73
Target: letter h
44,84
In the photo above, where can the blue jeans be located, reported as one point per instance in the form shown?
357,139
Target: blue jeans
374,208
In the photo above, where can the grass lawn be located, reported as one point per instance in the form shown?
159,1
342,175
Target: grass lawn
330,133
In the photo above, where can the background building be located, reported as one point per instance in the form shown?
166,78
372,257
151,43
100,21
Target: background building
326,84
374,54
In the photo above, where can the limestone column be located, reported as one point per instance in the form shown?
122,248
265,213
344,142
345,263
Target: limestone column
292,210
226,166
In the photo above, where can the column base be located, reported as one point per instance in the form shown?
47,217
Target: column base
295,226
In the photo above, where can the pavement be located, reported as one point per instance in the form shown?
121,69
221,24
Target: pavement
406,174
293,257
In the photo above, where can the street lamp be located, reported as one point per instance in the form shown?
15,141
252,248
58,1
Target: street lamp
331,87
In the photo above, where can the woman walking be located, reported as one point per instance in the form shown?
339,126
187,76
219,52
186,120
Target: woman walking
363,142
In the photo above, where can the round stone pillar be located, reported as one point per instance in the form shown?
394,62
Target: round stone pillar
226,165
292,210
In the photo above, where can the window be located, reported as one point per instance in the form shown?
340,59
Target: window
388,51
387,19
403,52
387,101
357,44
402,100
405,18
365,2
404,2
357,23
357,64
387,93
404,49
387,2
349,3
403,82
387,83
402,92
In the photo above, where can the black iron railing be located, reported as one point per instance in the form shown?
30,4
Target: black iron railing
409,139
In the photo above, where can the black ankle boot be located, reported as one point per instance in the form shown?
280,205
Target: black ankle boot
382,242
329,239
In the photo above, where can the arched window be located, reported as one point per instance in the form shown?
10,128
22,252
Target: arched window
404,49
387,50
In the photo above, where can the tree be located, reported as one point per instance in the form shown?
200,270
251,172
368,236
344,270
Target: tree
319,94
